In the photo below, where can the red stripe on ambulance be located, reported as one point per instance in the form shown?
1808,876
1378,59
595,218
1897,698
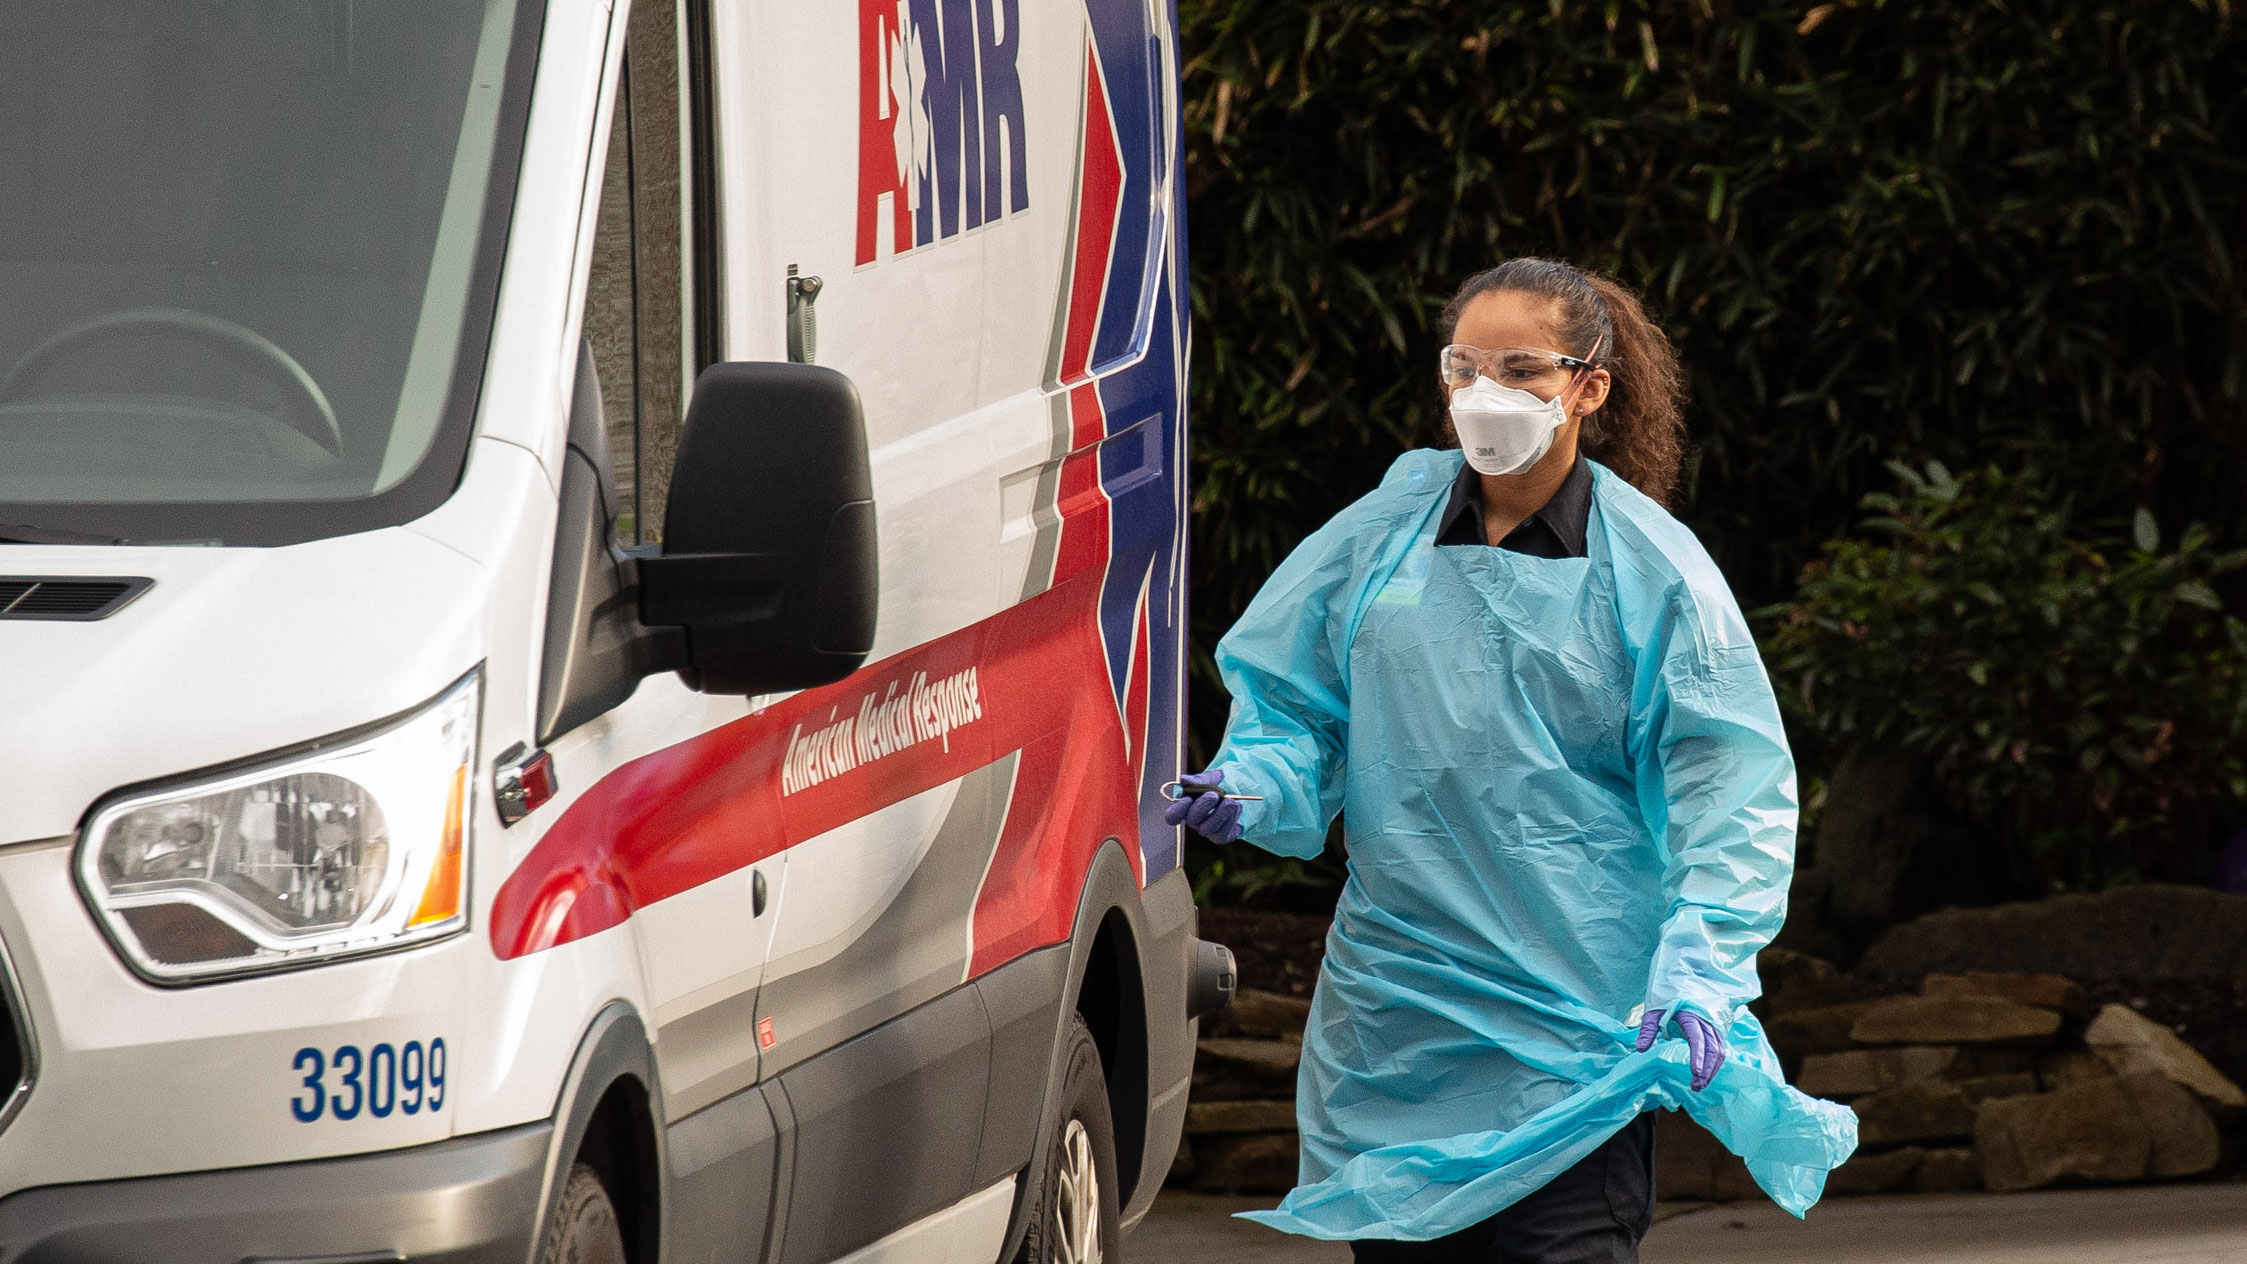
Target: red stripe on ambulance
673,820
1099,200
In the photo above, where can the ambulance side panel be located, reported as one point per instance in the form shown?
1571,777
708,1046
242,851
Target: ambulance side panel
984,189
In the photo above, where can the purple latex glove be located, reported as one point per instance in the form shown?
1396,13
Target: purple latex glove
1208,813
1704,1045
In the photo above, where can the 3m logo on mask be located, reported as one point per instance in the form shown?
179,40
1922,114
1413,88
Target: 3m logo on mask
940,142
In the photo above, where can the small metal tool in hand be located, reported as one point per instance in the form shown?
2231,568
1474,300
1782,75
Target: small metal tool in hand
1176,790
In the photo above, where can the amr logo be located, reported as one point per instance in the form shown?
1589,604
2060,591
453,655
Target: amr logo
940,143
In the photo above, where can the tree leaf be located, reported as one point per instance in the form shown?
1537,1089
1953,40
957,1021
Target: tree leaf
2196,593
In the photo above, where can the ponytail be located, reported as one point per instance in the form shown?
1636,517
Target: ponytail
1639,432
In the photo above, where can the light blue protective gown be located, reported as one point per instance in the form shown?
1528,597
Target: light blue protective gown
1567,796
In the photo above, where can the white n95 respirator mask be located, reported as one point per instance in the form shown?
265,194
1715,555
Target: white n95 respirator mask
1504,431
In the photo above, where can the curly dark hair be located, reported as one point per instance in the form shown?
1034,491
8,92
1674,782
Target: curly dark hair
1640,431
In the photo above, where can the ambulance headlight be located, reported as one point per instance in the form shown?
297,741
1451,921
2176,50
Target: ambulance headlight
352,847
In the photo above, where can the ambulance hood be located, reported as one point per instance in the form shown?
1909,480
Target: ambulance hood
229,654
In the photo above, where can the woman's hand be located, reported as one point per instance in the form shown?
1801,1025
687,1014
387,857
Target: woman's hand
1704,1044
1202,807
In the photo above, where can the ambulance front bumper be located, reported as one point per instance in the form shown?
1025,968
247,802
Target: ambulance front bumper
471,1200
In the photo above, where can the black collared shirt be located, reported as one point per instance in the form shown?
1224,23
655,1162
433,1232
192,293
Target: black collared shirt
1556,530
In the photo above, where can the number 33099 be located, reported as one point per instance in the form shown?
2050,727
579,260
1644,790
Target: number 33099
378,1082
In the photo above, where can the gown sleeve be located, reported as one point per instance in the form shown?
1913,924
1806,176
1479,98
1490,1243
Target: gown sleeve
1716,782
1285,665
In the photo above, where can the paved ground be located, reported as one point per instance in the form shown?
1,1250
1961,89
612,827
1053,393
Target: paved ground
1199,1229
2173,1224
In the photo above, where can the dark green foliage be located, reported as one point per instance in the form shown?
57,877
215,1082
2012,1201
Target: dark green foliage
2081,695
1877,230
1243,874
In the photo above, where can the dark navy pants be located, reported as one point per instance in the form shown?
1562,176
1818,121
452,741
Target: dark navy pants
1593,1213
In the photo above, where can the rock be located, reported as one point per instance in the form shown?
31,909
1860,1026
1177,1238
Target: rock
2141,932
1855,1072
2079,1133
1253,1163
1797,981
1269,1015
2129,1042
1965,1020
1824,1030
1874,1173
1782,968
1690,1164
2124,1129
1949,1170
1989,1087
1208,1118
2185,1141
1245,1070
2066,1068
1977,1061
1875,818
2051,991
1930,1110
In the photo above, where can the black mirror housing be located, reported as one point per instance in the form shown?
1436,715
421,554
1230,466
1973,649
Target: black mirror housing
769,562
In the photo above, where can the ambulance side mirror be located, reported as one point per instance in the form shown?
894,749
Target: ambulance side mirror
768,566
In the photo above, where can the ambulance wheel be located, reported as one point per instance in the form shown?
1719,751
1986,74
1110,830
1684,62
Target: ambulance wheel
1074,1219
583,1228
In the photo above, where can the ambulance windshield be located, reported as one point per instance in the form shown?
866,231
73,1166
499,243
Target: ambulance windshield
249,255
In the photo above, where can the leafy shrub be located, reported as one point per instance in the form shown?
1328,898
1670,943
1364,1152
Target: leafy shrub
1244,875
2081,693
1877,230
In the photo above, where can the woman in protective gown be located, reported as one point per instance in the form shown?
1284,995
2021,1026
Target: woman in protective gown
1567,798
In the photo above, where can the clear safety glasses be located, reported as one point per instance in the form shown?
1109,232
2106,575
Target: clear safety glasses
1541,373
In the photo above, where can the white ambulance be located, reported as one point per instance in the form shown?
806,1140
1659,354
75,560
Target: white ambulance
591,622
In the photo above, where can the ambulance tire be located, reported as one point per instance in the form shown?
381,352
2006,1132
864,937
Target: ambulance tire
584,1228
1070,1223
